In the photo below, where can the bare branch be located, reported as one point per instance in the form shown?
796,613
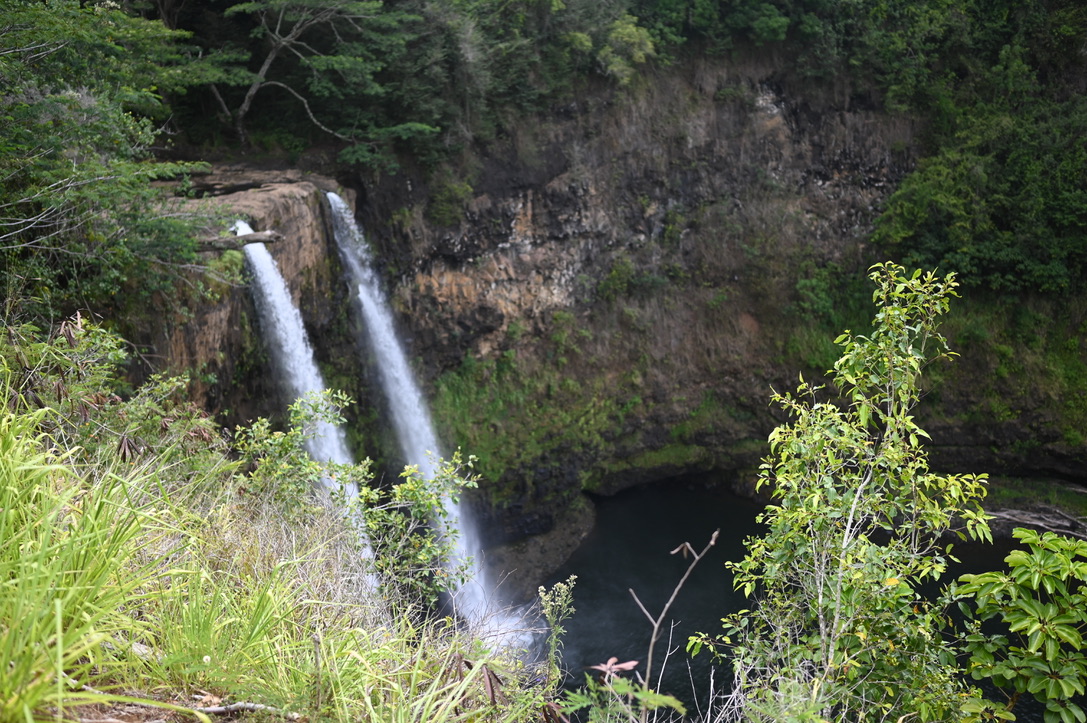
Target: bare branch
222,103
650,618
247,707
48,48
659,620
309,112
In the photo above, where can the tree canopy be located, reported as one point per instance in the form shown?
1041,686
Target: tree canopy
999,196
79,219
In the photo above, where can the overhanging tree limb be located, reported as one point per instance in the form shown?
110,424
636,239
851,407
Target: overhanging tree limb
309,111
284,23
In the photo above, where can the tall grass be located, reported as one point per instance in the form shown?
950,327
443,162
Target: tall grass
136,563
64,584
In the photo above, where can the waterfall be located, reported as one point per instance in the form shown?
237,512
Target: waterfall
291,352
411,420
292,357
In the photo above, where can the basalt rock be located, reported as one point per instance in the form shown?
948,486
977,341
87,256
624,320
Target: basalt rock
640,264
697,198
217,338
650,247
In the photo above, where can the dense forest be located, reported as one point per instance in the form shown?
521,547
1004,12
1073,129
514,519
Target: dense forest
999,196
149,561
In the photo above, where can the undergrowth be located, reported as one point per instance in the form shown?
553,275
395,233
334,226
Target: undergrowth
142,559
1029,492
509,418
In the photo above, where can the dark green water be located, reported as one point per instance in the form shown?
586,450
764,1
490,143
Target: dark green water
629,549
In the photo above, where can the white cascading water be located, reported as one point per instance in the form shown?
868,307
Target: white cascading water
291,352
296,368
411,420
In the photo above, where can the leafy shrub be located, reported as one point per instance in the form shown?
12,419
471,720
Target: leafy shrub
447,199
837,632
133,561
1040,601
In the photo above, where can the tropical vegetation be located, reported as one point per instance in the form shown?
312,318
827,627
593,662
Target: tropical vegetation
999,197
149,560
842,627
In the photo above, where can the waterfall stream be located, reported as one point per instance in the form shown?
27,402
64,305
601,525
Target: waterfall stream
294,363
290,349
474,600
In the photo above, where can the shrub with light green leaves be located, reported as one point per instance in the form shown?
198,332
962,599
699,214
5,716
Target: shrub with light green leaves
838,629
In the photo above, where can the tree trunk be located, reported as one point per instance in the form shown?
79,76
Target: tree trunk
247,102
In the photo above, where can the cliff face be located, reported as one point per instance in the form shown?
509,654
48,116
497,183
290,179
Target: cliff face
218,339
620,283
604,295
620,276
706,151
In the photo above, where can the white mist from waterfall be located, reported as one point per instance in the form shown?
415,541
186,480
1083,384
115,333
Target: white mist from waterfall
474,600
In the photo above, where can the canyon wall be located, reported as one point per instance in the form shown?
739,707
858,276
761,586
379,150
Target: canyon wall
604,295
614,298
215,335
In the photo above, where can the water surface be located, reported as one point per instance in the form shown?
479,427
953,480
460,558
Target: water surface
629,549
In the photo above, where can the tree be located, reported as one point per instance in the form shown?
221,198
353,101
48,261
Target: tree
337,43
78,215
1005,203
840,630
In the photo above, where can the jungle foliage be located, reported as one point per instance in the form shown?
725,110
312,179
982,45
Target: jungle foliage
81,99
998,85
147,558
999,196
841,627
138,501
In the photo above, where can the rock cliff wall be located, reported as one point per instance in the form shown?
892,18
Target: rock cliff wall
603,295
610,303
712,148
217,338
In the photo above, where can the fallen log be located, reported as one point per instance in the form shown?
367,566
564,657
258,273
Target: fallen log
1047,519
224,243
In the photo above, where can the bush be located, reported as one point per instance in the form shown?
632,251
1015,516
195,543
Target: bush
138,556
838,632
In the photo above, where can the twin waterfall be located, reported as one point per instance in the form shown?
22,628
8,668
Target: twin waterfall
410,416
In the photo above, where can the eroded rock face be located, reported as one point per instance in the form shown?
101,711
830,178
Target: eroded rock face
644,254
218,339
622,173
670,226
626,273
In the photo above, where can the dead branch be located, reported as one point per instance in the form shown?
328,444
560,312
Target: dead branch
222,243
686,549
247,707
1049,520
309,112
